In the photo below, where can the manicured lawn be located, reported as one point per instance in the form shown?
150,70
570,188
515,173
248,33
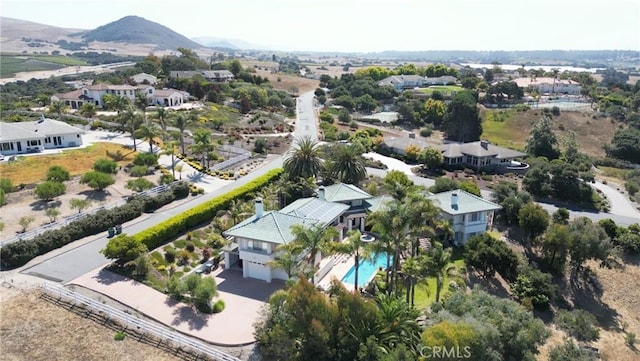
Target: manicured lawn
32,169
444,89
426,292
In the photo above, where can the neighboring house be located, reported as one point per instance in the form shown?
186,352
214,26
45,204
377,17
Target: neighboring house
549,85
441,80
144,78
399,145
94,94
482,154
468,214
168,97
402,82
213,75
35,136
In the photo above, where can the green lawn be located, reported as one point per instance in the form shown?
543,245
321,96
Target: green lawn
499,128
446,90
426,292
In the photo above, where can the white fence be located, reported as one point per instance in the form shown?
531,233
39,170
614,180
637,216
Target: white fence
138,324
74,217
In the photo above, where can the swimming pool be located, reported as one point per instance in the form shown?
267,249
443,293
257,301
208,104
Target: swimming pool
366,270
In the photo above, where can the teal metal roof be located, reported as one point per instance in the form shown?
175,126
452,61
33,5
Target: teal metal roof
315,208
273,227
466,202
342,192
377,203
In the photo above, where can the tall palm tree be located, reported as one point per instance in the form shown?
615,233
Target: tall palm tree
269,195
181,123
202,144
169,148
116,102
141,102
58,107
304,160
131,120
148,132
315,240
353,246
347,164
412,270
438,264
162,120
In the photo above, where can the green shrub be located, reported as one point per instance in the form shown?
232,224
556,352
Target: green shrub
105,166
218,306
170,255
139,171
426,131
119,336
145,159
180,244
6,185
199,214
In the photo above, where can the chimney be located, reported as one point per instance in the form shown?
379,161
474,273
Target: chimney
259,207
321,193
454,200
484,144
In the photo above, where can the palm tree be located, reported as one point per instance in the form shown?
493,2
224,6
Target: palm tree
353,246
438,264
88,110
269,195
347,165
397,322
413,271
304,160
170,149
116,102
237,211
148,132
202,144
132,121
162,120
288,259
141,102
181,123
58,107
315,239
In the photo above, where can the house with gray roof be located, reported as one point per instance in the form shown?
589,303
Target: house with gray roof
483,155
402,82
36,136
213,75
468,214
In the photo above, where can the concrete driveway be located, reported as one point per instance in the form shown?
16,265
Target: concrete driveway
243,298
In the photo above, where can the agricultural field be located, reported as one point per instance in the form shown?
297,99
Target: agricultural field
12,64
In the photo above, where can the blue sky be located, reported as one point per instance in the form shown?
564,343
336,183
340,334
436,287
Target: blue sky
366,25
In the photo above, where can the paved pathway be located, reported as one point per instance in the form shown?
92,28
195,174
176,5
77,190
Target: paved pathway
243,298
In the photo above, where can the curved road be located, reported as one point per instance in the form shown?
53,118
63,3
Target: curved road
80,260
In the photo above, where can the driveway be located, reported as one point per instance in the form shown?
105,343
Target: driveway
243,298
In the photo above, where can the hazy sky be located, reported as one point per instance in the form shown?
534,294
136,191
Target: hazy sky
366,25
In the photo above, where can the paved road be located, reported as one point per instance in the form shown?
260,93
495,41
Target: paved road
78,261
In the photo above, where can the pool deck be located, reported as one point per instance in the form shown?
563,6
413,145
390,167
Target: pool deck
338,271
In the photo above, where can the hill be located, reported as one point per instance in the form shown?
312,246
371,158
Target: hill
137,30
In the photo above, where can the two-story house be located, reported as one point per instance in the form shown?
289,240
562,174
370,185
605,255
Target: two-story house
468,214
549,85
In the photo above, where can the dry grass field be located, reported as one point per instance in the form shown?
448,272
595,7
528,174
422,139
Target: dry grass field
32,169
32,328
591,134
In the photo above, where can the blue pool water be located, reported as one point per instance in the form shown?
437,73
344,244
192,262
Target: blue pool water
366,270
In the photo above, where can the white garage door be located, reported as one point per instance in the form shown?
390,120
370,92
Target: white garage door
256,270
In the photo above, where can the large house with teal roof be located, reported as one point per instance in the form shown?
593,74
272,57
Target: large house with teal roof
255,240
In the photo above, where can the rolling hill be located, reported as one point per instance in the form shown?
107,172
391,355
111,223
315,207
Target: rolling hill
137,30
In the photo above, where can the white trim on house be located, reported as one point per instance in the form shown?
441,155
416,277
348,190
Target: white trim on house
36,136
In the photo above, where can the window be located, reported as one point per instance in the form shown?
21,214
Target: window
47,140
32,143
7,146
257,246
469,159
150,91
475,216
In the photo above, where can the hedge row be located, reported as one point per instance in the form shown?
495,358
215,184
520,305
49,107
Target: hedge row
18,253
174,226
